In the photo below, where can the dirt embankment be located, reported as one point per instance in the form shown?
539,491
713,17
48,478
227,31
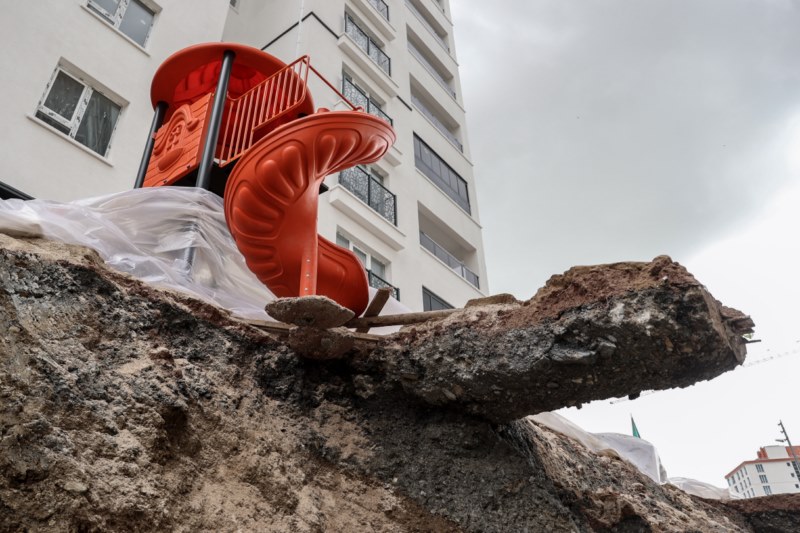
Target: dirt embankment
127,408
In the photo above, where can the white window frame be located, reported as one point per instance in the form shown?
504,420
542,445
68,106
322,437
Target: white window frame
364,250
74,122
115,19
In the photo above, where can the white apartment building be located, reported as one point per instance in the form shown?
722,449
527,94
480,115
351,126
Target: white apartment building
77,113
773,472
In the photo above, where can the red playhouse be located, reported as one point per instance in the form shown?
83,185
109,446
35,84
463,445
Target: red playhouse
240,122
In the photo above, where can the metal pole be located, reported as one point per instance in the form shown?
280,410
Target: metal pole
158,119
214,122
795,463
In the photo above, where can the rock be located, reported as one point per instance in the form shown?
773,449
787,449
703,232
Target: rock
76,486
309,311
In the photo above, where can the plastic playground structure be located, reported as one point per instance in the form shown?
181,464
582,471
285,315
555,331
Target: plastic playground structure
240,122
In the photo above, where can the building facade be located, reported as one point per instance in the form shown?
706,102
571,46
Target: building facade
774,471
78,104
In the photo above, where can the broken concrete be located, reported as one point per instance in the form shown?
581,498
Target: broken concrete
591,333
127,408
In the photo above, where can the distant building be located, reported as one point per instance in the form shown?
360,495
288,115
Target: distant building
76,112
773,472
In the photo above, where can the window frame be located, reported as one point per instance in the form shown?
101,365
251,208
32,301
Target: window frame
115,19
433,296
353,246
74,123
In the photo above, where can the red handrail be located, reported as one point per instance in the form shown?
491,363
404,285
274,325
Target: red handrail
265,103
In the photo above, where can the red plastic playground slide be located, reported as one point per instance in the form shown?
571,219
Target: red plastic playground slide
221,106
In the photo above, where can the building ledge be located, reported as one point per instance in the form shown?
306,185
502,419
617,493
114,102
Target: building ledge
441,263
371,14
360,58
349,204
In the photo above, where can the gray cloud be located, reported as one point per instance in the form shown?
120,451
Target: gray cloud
617,130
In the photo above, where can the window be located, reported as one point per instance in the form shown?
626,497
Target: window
234,3
759,468
131,17
367,44
763,478
431,302
368,187
376,269
361,98
78,111
737,488
429,163
767,490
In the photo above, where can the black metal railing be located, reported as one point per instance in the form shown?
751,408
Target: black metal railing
379,283
370,191
441,174
369,46
449,259
438,124
381,7
358,98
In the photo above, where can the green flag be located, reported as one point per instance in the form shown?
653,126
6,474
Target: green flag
635,429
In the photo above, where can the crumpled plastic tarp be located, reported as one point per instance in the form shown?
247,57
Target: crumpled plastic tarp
146,232
640,453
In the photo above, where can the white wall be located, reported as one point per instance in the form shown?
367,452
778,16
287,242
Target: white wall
35,37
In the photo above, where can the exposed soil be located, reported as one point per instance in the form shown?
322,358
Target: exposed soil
125,408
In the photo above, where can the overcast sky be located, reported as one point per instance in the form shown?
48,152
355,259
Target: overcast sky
618,130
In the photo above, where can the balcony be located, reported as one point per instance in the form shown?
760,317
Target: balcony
433,71
378,282
367,45
381,7
370,191
358,98
438,124
449,259
428,26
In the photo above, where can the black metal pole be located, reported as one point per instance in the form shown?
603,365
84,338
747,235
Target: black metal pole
158,119
210,143
214,122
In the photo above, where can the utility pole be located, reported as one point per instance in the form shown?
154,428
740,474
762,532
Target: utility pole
791,450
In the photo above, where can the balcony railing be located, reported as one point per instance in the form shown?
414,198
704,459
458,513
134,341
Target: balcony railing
370,191
449,259
379,283
428,26
431,69
369,46
435,120
381,7
357,97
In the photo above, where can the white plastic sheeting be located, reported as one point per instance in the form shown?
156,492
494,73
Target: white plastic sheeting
640,453
146,232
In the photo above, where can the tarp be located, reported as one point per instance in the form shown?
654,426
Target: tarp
640,453
146,233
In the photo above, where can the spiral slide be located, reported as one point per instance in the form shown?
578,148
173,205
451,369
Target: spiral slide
271,202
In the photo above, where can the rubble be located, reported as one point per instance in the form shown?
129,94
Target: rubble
124,407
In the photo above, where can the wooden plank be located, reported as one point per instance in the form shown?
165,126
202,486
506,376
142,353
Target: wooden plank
375,306
279,328
399,320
